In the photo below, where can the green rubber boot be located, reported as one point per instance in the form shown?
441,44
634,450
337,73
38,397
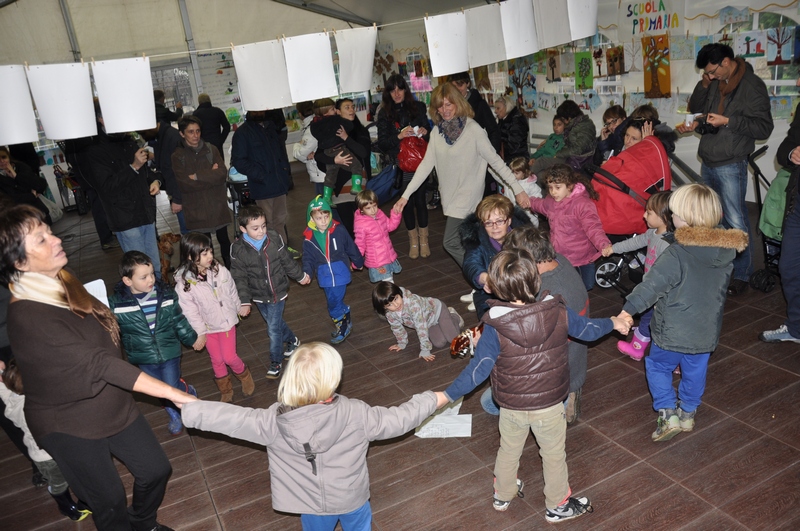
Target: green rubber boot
327,194
356,184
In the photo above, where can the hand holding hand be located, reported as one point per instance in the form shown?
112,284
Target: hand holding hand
244,310
305,280
441,399
395,348
400,205
200,343
621,326
607,251
181,398
523,200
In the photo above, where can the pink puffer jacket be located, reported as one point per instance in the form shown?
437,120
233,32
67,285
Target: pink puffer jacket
372,237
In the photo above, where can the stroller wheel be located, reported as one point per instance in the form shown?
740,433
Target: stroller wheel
607,273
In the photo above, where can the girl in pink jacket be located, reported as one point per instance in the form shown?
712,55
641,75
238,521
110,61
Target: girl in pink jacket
372,229
575,228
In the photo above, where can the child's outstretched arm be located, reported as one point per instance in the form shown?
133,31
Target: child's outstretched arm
587,329
480,366
395,321
386,423
239,422
631,244
394,220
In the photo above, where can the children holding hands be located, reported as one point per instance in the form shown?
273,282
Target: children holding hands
372,228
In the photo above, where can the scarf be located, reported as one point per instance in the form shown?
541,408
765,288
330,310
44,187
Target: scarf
451,129
255,243
726,88
66,292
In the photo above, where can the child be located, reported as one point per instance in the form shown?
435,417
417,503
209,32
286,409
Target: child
152,327
210,302
328,251
436,324
372,229
524,348
260,265
658,217
687,284
611,140
528,181
11,393
316,440
575,227
331,133
553,144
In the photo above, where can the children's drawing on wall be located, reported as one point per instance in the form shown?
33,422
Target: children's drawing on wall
731,15
567,64
615,59
553,66
760,67
751,44
383,65
634,100
589,101
402,68
481,76
681,47
584,78
700,41
779,45
655,61
633,56
666,107
682,104
523,80
545,101
599,62
540,62
726,39
781,107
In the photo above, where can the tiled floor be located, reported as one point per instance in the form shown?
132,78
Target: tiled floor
739,469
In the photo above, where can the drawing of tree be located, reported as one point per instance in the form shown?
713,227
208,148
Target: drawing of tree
584,71
551,63
779,37
636,51
747,41
522,77
655,59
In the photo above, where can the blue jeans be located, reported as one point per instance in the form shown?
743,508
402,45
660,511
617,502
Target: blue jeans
168,372
730,182
277,329
335,297
142,239
658,368
587,275
488,404
181,222
358,520
789,267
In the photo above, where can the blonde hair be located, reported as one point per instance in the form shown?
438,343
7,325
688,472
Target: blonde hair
447,90
365,197
520,164
697,204
495,202
311,376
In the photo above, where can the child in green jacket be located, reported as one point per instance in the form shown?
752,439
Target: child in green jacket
554,142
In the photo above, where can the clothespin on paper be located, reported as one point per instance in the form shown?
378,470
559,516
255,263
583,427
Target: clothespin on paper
26,65
233,47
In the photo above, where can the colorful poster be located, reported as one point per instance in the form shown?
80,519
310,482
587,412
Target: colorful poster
751,44
599,62
681,47
779,46
701,41
584,78
523,81
383,66
545,101
781,107
655,61
615,59
553,66
637,18
590,101
221,84
731,15
633,56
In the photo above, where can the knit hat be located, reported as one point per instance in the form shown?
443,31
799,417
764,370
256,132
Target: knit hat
318,203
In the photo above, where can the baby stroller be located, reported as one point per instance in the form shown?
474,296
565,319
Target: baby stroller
772,211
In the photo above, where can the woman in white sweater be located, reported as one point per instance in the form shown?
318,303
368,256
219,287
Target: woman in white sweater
460,151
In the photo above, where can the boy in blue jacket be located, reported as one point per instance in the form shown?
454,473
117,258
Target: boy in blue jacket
330,252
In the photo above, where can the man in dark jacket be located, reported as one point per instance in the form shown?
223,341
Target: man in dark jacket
164,140
735,103
164,114
215,127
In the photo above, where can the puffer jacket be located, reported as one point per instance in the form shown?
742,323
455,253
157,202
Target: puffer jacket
514,131
205,203
261,275
372,237
575,228
390,126
580,141
332,264
257,152
171,328
212,305
687,284
317,453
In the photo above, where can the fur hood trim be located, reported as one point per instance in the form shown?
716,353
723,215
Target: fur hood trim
717,237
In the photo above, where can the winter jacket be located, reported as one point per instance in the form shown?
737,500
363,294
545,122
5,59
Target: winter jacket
215,127
304,148
644,167
419,313
258,153
171,328
317,453
575,228
479,251
14,411
168,139
551,147
263,275
331,265
514,131
614,143
210,305
530,185
19,188
389,127
163,114
789,143
372,237
655,244
485,117
205,199
747,108
579,143
524,350
687,285
358,142
325,128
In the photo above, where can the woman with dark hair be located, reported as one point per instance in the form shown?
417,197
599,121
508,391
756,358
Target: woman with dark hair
19,183
579,139
77,386
400,113
514,129
201,174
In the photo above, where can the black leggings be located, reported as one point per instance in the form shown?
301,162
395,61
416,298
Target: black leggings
417,204
224,245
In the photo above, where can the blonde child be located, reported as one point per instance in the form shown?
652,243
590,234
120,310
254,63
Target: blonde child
436,324
372,228
687,285
316,440
528,181
658,217
575,227
210,302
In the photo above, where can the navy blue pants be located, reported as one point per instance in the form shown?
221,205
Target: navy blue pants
789,267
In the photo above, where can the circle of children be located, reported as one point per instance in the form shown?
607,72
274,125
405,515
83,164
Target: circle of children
317,440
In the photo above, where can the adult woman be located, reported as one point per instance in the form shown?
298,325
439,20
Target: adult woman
19,183
513,129
611,140
77,400
579,139
201,174
460,151
400,113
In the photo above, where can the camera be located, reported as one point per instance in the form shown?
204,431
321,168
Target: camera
705,128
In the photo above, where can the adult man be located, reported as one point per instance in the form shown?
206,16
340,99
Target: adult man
215,127
483,113
164,114
736,109
165,139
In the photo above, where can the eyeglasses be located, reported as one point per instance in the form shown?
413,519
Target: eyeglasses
611,122
709,74
498,223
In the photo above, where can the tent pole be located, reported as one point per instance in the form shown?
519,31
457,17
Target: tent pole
73,39
187,30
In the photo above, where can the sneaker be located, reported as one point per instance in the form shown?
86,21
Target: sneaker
500,505
175,426
686,419
111,244
669,425
274,371
777,336
572,508
192,391
471,307
468,297
454,313
295,254
291,346
573,408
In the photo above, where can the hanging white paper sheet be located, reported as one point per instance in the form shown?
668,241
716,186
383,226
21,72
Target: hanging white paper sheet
310,67
19,121
582,18
446,423
356,49
552,22
447,43
483,28
261,71
63,96
519,29
125,90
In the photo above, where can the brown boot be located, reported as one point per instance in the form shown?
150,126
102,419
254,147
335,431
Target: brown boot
413,243
424,248
248,385
224,385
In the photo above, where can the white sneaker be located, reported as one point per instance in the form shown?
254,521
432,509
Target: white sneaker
468,297
471,307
